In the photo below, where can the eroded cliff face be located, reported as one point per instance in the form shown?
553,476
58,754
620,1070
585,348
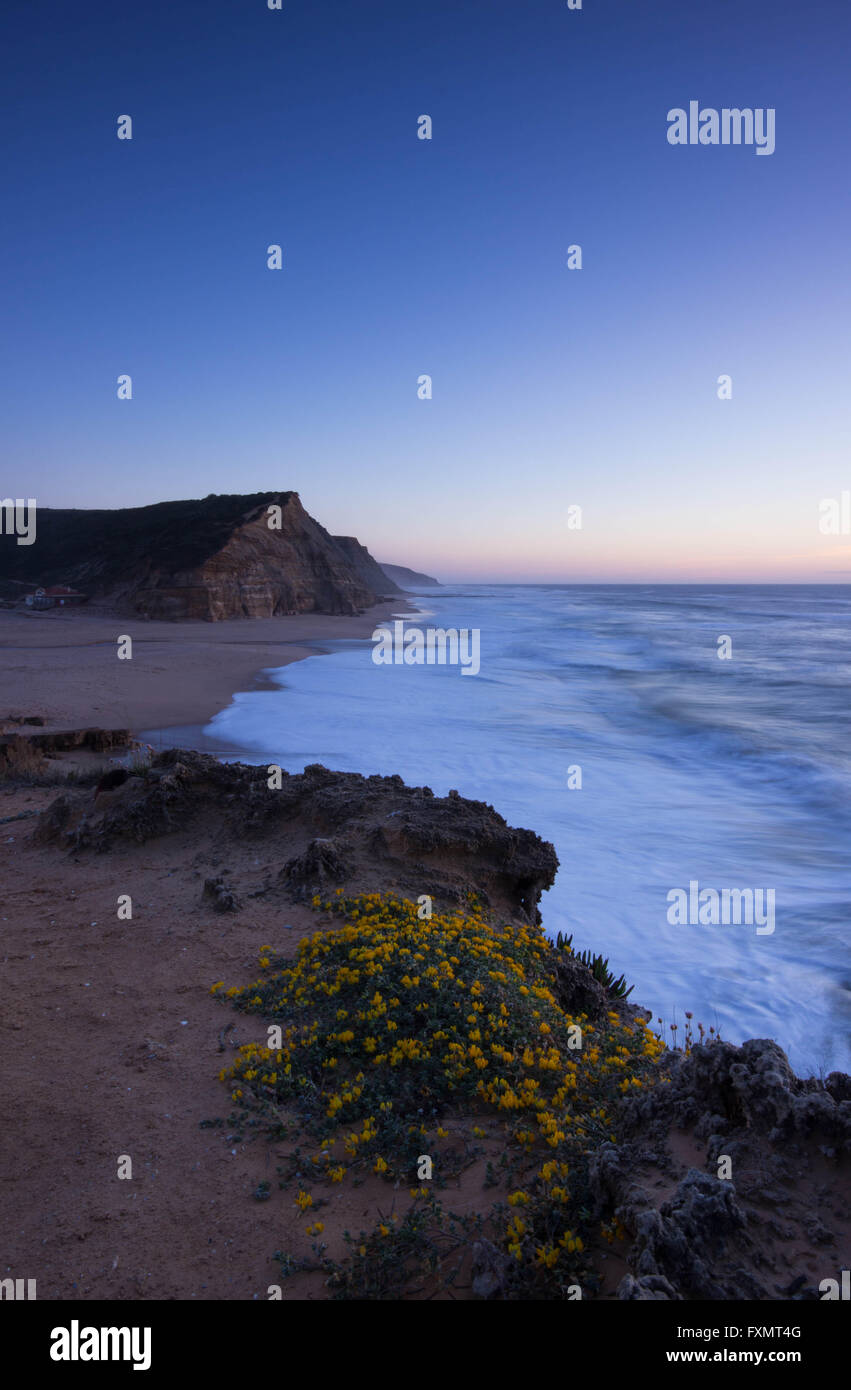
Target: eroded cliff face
262,571
214,558
365,567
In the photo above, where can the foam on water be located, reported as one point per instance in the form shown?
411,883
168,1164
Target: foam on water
735,773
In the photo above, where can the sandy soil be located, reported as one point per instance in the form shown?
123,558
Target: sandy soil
64,666
113,1045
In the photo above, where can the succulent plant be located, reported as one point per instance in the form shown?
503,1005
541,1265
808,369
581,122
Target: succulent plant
598,966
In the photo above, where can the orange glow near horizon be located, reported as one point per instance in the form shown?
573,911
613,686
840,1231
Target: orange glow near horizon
683,564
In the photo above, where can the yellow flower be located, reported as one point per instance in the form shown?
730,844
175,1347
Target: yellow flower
546,1256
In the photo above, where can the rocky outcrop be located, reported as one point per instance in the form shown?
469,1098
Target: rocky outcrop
735,1178
223,557
94,740
323,829
27,754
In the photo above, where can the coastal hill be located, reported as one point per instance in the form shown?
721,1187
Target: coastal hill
402,576
213,559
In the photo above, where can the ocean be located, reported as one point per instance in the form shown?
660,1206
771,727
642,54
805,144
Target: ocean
724,773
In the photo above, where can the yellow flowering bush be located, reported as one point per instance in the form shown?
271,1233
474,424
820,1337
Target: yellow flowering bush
391,1024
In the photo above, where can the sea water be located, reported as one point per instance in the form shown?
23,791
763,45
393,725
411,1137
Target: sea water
731,773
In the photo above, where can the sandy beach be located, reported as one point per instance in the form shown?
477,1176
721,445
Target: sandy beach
64,667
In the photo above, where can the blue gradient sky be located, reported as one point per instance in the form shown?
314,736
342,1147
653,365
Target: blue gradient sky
403,257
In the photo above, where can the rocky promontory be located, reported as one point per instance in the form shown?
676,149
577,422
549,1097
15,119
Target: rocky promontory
337,829
235,556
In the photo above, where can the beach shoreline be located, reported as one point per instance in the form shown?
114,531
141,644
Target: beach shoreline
63,667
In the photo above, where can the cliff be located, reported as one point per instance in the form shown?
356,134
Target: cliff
403,576
368,570
213,559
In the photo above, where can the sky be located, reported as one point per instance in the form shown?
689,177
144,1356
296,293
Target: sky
551,387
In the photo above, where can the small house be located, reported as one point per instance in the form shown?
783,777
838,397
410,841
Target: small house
55,596
63,596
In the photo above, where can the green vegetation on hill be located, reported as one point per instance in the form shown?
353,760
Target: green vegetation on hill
102,547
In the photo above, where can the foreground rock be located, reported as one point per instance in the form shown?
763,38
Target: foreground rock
779,1225
26,754
320,831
